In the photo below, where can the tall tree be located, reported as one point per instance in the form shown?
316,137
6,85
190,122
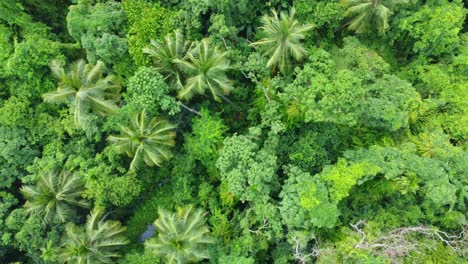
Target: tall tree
165,56
57,195
205,67
182,236
85,88
145,139
282,39
97,242
368,13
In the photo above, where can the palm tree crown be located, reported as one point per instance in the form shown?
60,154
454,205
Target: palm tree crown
182,237
146,140
165,56
97,242
85,87
205,67
366,13
55,195
282,39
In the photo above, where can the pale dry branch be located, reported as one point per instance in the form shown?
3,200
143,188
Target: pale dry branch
189,109
300,255
264,225
398,242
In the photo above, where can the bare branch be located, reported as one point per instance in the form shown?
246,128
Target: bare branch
265,225
398,242
226,99
189,109
300,255
266,94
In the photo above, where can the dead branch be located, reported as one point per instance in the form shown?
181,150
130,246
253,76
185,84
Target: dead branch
265,225
298,252
398,242
189,109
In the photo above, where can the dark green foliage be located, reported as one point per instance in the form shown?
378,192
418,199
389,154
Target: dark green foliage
16,154
28,234
7,203
247,171
305,203
354,91
26,71
327,16
99,29
206,138
146,21
243,16
147,212
147,90
137,257
405,173
433,30
108,183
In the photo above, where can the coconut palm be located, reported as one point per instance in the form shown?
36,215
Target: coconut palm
145,139
165,56
182,236
56,195
205,67
282,39
85,88
367,13
99,241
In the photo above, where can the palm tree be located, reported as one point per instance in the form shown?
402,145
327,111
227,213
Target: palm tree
205,67
182,237
55,195
97,242
166,55
367,13
85,88
282,39
146,140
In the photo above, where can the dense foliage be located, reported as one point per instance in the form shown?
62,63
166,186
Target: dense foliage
247,131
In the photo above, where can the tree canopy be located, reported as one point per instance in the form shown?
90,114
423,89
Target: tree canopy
233,131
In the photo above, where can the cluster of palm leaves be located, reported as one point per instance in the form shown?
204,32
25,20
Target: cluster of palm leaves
367,13
182,236
282,36
146,140
86,89
191,68
56,195
99,241
166,55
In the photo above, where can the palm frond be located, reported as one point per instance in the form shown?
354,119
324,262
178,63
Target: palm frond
85,88
182,236
56,196
282,39
166,56
206,67
99,241
367,13
145,140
